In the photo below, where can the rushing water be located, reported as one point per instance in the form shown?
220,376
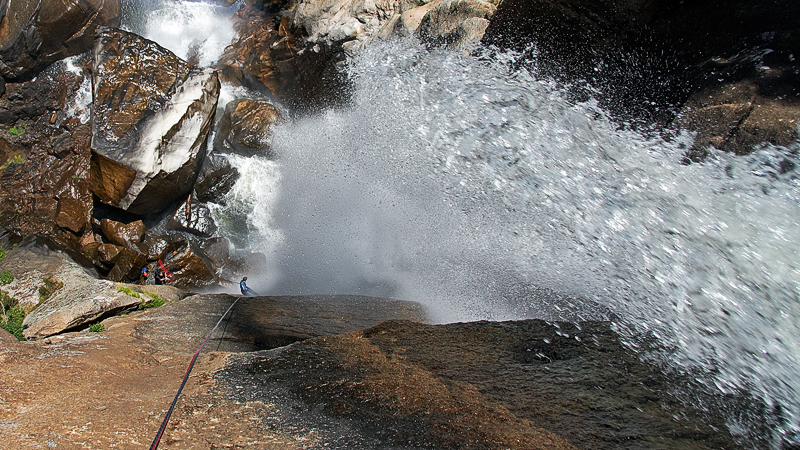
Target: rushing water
484,194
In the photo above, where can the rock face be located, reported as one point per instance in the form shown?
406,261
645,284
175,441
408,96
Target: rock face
121,233
37,33
45,161
151,117
650,61
516,385
212,186
457,23
190,266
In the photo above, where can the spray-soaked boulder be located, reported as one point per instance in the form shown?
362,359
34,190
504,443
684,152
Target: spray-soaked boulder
457,23
212,186
245,127
124,234
37,33
193,217
152,113
190,266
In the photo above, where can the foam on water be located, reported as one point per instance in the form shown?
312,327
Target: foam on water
484,194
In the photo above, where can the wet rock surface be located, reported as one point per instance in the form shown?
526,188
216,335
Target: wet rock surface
651,62
193,217
328,372
152,113
50,387
526,384
245,127
38,33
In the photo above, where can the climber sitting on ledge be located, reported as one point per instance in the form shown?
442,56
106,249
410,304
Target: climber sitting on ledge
246,291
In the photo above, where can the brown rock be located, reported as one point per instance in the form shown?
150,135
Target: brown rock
38,33
72,215
107,253
212,186
30,100
155,246
127,265
190,267
216,249
262,57
457,23
246,126
47,182
736,117
512,385
123,234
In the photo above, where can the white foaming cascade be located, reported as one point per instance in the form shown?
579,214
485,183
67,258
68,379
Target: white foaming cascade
183,27
485,195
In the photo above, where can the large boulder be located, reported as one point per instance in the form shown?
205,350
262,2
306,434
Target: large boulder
191,267
124,234
456,23
214,182
246,126
35,34
75,299
151,116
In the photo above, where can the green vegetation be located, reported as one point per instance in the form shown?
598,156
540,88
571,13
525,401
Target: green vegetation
15,160
16,131
51,285
128,291
12,315
97,327
2,253
157,301
6,277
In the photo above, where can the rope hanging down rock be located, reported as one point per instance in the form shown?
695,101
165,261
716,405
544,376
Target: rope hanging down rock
157,440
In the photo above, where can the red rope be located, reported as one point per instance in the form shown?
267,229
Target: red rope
157,440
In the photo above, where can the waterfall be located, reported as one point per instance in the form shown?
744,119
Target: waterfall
484,193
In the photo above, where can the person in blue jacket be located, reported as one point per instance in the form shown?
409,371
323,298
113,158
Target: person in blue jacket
243,287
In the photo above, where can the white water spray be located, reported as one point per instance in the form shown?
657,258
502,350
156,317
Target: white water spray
187,28
485,195
481,192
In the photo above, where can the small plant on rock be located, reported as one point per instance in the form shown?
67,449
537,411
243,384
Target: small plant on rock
97,327
16,131
15,160
157,301
51,285
6,277
12,316
128,291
